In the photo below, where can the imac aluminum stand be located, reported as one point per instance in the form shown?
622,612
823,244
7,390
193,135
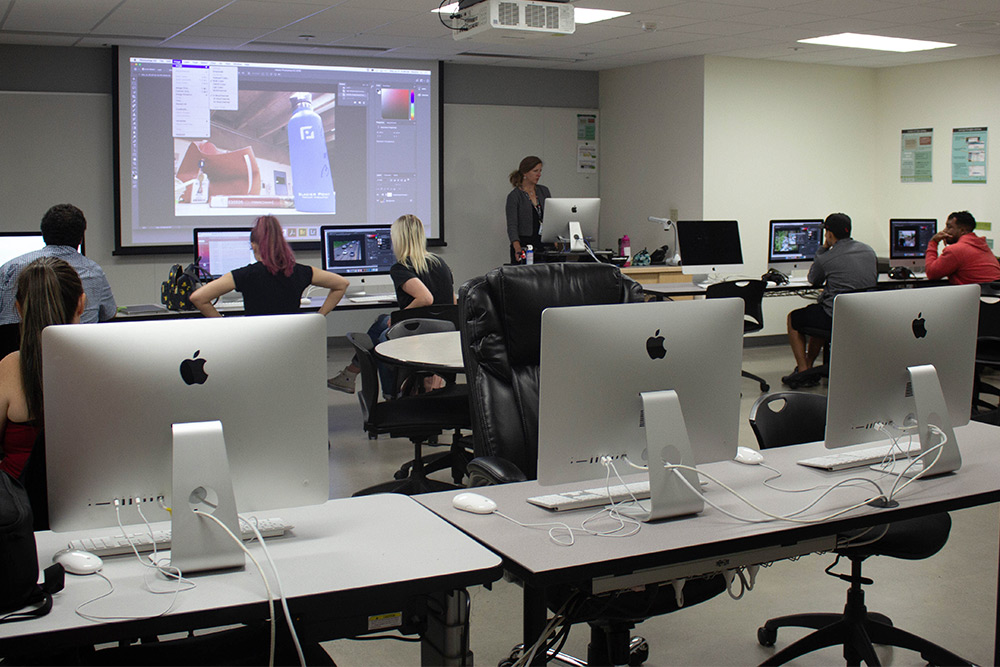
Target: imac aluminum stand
932,409
201,481
576,242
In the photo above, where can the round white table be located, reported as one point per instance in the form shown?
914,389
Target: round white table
436,352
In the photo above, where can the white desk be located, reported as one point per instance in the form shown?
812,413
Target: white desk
661,550
440,351
346,562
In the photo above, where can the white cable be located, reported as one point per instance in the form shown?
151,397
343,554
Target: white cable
267,586
281,591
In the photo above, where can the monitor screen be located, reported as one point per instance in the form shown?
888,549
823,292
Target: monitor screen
707,246
113,391
560,211
908,240
792,242
15,244
205,137
593,409
220,250
357,251
877,336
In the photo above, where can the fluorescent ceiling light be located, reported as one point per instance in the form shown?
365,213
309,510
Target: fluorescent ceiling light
853,40
580,15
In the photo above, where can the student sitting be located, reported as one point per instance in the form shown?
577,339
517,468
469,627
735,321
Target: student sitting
966,257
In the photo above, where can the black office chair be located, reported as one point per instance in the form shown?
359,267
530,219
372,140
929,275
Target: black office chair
437,311
408,380
987,348
418,418
500,323
788,418
752,293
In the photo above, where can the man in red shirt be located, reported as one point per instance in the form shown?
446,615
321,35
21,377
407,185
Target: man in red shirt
966,258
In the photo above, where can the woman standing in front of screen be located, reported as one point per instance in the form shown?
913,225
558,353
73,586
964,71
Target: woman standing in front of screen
49,291
525,207
421,279
274,284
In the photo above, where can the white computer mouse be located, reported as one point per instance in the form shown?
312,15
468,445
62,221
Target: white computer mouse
473,502
77,561
305,301
749,456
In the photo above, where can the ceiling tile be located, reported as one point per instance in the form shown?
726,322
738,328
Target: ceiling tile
57,15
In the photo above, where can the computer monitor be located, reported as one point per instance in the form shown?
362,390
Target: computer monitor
908,241
595,362
15,244
364,250
877,338
114,391
562,212
709,246
219,250
792,244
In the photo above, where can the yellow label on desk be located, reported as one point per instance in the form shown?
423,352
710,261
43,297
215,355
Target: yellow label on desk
383,621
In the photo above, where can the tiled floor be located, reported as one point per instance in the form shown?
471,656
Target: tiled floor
950,598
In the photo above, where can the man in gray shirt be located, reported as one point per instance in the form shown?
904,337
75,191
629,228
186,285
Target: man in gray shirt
841,265
62,229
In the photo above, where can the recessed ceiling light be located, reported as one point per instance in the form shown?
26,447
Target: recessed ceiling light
580,14
853,40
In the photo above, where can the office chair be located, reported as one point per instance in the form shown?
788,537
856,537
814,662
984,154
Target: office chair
752,293
418,418
437,311
788,418
414,326
987,348
500,325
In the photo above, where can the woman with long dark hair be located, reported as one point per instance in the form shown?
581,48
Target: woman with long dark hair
273,285
49,291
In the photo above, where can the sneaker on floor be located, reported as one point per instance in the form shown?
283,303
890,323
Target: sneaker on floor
343,381
790,378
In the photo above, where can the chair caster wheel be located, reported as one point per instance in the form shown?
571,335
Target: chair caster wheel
638,654
766,637
764,387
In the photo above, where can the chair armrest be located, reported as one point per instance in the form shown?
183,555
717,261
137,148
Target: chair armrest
490,470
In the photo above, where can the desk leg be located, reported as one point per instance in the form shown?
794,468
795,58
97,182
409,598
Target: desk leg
535,616
446,641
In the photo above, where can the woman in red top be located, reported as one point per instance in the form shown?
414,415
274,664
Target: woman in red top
49,291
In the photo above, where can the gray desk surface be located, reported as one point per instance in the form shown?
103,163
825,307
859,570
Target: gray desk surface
796,284
433,351
367,555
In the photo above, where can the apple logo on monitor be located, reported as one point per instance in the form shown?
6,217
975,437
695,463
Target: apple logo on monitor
193,370
919,328
654,346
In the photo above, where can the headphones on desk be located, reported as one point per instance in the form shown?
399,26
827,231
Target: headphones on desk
775,276
900,273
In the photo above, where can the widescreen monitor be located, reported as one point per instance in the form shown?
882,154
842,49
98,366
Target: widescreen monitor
792,244
15,244
113,392
709,246
877,337
219,250
357,251
595,361
561,211
908,240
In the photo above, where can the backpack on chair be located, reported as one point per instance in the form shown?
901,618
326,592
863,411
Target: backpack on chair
176,290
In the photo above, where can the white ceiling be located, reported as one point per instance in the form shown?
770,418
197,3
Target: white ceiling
656,30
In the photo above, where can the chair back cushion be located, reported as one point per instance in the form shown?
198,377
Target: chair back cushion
752,293
788,418
500,318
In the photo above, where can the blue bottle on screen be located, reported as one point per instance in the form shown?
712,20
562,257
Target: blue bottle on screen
312,182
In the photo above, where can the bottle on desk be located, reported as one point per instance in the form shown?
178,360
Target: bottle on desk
529,255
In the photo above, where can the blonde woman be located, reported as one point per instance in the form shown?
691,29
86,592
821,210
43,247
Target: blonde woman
421,278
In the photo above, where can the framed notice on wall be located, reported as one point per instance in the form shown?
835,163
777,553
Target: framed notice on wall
916,149
968,155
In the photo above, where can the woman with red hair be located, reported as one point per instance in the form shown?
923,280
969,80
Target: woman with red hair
274,284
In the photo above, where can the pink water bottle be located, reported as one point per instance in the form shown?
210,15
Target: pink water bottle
624,247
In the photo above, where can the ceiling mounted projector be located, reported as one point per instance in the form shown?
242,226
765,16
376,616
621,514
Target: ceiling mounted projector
500,21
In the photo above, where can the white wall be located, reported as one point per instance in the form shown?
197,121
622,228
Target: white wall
942,96
651,148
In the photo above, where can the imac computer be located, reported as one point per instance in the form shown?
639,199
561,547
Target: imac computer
908,241
792,244
15,244
117,397
709,246
219,250
571,219
358,253
617,380
905,359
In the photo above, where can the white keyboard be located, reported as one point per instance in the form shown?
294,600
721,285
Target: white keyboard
858,458
229,304
115,545
372,298
582,498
